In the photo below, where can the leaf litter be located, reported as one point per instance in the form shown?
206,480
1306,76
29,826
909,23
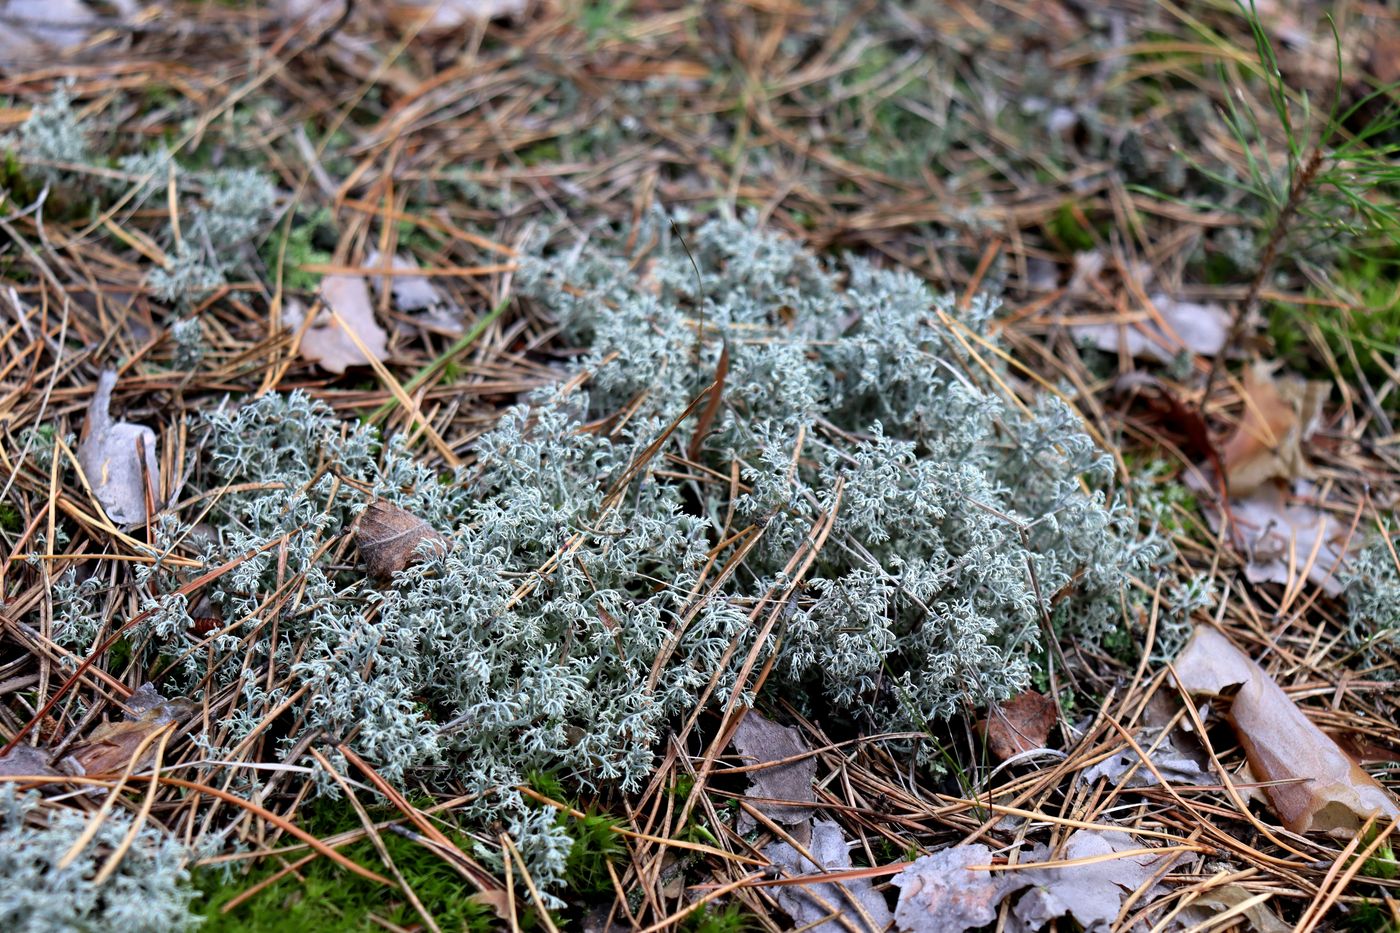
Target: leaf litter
325,341
1319,787
1275,522
954,890
1021,724
761,741
118,458
822,906
391,538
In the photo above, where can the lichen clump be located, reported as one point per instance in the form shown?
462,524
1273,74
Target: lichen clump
149,890
867,499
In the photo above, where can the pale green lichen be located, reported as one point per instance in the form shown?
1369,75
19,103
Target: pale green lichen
148,892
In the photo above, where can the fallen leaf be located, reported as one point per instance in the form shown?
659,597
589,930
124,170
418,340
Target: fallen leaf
447,15
760,741
389,538
814,907
1020,725
38,28
25,759
415,293
1092,893
1190,326
1325,791
1215,901
324,341
1277,538
118,458
941,892
111,746
1280,413
1172,413
1174,765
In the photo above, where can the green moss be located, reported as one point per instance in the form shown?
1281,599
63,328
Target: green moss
1067,231
10,519
322,896
309,242
708,919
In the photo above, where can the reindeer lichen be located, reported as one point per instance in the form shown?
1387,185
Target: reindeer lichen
578,610
148,892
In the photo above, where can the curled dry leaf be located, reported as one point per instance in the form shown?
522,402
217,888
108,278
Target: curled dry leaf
1280,413
118,458
1323,789
324,341
852,905
1019,725
111,746
943,893
389,538
760,741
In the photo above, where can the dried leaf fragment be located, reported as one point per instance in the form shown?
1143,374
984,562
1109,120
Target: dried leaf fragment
1189,326
325,342
1280,413
1019,725
414,293
39,28
25,759
1281,539
111,746
816,907
446,15
1216,901
760,741
389,538
118,458
942,892
1325,790
1091,893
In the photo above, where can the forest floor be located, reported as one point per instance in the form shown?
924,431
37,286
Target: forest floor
1188,212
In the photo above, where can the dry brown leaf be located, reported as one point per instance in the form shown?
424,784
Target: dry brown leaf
941,892
118,458
759,741
1280,413
1325,791
1384,59
856,904
389,538
324,342
111,745
1020,725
